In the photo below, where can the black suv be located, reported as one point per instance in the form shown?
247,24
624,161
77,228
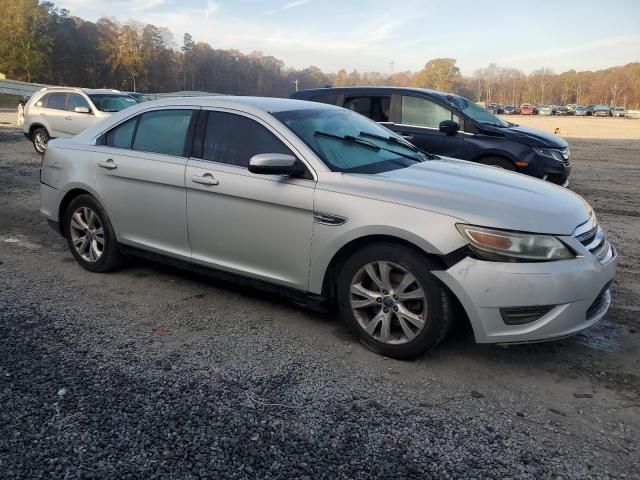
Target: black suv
450,125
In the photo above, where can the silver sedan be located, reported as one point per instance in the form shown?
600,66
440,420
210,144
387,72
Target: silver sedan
326,206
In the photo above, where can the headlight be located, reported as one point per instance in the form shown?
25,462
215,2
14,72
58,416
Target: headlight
552,153
504,245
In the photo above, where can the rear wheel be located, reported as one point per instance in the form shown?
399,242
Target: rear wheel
498,162
391,302
90,235
40,137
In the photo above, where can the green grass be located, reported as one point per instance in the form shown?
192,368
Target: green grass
7,100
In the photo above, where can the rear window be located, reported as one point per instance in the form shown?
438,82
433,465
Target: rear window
56,101
163,131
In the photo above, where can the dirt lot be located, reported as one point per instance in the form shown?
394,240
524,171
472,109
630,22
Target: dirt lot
152,372
581,127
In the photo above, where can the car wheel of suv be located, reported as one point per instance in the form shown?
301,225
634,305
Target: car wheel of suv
390,300
40,137
90,235
498,162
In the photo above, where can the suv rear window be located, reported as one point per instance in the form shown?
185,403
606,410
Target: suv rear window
56,100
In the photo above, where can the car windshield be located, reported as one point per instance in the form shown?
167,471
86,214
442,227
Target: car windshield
476,112
349,142
112,102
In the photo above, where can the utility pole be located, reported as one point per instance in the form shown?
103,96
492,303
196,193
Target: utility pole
391,64
297,82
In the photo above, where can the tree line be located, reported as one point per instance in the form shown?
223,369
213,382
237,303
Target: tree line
42,43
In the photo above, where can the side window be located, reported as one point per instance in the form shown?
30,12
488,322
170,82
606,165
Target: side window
234,139
374,107
76,100
122,135
56,101
423,113
43,101
330,98
163,131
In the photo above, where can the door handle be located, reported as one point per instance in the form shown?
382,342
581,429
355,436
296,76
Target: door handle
67,118
206,179
109,164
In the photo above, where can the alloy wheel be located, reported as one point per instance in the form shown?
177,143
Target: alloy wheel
40,141
87,234
388,302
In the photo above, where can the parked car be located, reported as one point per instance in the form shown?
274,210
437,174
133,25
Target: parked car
545,110
510,110
450,125
580,110
239,187
63,111
601,111
590,110
619,112
495,108
528,109
562,111
139,97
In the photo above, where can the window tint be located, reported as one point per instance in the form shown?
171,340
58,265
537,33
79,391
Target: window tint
423,113
330,98
163,131
234,139
56,100
376,108
76,100
121,136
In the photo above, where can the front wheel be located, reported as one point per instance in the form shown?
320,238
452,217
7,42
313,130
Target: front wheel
90,235
391,302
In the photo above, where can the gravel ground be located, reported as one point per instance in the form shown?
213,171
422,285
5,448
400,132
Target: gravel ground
152,372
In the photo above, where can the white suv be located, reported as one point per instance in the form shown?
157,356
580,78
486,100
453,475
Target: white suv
63,111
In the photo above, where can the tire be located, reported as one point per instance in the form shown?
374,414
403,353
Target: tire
86,224
498,162
431,304
40,138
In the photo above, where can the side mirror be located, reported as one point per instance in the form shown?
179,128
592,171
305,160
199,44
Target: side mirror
81,110
276,164
449,127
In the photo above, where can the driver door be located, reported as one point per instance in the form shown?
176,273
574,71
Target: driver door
420,119
249,224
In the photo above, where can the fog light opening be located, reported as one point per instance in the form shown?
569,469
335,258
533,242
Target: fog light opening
524,315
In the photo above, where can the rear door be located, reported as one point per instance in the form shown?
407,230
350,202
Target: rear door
249,224
420,120
375,107
140,169
54,113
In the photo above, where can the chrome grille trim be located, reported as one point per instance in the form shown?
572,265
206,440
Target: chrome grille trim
593,238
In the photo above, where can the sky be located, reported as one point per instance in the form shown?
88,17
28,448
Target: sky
388,36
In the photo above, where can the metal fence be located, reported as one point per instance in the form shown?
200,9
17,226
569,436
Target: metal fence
15,87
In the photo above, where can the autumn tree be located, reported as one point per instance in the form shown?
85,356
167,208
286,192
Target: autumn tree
24,42
438,74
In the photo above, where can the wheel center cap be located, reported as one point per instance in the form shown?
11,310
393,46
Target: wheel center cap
388,301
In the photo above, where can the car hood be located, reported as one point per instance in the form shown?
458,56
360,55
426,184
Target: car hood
477,194
533,137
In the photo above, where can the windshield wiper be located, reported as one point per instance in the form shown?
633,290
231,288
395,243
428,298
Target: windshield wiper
365,144
396,141
349,139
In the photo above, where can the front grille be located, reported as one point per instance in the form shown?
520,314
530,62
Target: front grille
595,240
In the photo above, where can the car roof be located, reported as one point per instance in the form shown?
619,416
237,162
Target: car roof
247,104
88,91
381,90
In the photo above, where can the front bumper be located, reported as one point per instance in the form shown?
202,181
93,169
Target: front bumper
547,168
578,290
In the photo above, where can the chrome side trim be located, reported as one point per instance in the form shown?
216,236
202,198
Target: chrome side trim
328,219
